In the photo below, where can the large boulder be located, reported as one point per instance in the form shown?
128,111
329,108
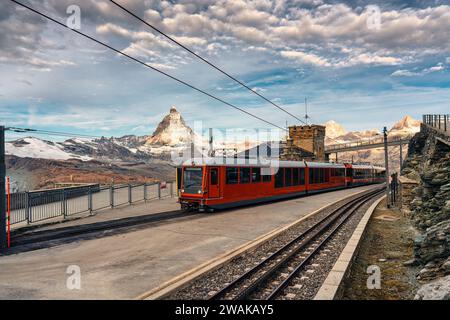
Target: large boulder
438,289
434,244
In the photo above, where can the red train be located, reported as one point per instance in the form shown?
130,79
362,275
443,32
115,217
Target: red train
206,186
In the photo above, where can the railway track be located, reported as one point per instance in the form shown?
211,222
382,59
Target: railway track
274,275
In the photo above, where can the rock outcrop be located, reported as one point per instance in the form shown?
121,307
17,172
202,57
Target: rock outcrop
428,163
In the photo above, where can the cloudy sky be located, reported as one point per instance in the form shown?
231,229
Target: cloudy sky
360,68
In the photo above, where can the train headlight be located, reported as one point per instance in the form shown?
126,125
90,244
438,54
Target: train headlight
182,190
199,191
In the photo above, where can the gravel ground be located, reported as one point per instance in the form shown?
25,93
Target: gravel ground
308,281
388,243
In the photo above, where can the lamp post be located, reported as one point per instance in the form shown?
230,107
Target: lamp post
3,236
386,165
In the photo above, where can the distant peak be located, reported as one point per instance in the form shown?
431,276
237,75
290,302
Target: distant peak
334,129
173,109
407,122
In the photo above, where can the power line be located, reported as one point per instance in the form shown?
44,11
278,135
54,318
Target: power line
204,60
146,65
51,133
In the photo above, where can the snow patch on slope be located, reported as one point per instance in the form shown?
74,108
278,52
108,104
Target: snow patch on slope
36,148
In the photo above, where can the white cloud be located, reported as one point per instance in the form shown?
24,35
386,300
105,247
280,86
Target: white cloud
407,73
308,58
404,73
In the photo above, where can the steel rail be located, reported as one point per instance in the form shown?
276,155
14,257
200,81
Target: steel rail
304,262
333,216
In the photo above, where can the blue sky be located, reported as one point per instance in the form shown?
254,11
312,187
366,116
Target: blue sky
359,73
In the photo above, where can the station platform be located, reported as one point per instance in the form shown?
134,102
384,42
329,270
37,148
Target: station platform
124,266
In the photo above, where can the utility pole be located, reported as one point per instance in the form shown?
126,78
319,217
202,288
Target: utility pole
386,164
3,236
211,152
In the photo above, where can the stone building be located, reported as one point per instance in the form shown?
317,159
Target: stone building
305,142
291,152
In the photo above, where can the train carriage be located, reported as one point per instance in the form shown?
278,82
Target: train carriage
208,184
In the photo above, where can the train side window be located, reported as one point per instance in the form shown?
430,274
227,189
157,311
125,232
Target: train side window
302,176
316,175
288,177
214,177
256,174
232,175
279,178
311,176
295,176
266,174
245,175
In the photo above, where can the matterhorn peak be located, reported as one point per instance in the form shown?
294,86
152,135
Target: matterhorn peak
172,130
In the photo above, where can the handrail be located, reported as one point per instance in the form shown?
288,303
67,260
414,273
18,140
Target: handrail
438,121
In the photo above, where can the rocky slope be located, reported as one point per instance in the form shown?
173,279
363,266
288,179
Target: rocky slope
428,164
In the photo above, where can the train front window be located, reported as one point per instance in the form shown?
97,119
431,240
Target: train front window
192,180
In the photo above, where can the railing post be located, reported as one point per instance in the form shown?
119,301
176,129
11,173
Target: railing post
27,207
130,199
64,204
145,192
111,196
159,190
445,122
171,189
90,200
439,121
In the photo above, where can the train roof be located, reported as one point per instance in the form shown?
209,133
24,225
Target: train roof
242,162
365,166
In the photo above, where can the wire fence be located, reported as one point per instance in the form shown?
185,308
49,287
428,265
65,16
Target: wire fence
35,206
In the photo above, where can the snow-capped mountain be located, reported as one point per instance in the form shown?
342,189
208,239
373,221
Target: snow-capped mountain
171,134
406,126
334,129
171,131
336,133
31,147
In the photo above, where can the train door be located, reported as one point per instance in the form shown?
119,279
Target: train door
214,186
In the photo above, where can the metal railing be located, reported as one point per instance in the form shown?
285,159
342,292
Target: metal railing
367,142
34,206
438,121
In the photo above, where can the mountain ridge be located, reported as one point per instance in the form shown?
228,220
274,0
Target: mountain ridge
171,134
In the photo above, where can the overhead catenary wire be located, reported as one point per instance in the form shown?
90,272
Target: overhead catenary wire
147,65
204,60
51,133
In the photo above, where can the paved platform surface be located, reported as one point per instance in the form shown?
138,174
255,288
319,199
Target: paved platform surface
126,265
126,211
